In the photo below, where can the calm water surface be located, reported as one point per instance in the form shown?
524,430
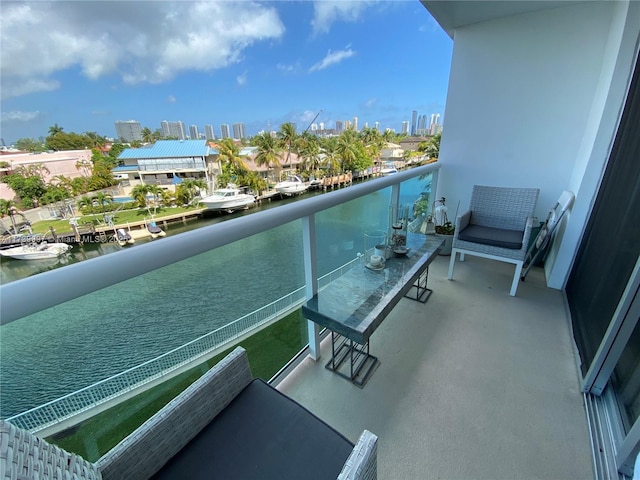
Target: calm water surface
70,346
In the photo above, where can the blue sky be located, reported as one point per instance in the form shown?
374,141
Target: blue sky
86,64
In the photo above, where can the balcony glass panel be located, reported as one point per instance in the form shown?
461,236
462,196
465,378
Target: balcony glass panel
65,348
147,324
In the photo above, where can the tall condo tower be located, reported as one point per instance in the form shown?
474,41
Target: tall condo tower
194,133
129,130
238,131
355,123
224,131
414,121
173,129
209,133
405,127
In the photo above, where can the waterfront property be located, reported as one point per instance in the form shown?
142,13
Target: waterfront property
474,383
166,163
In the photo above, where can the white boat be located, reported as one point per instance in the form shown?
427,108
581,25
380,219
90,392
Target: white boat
123,237
36,251
388,168
228,199
291,186
155,231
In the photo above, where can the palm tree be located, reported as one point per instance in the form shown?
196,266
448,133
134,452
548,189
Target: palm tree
431,147
186,191
347,148
86,202
373,142
139,194
287,136
53,129
309,148
230,155
332,159
102,199
269,152
147,135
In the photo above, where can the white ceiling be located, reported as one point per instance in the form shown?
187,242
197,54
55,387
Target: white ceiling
451,14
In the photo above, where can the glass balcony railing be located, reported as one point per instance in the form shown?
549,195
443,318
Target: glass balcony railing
91,334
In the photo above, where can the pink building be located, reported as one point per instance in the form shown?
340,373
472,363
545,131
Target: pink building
57,163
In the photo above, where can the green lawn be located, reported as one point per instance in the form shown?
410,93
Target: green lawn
120,218
268,351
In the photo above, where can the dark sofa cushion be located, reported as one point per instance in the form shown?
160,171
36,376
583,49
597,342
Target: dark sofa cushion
496,237
262,434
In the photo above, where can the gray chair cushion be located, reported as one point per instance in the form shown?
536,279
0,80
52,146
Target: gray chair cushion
496,237
262,434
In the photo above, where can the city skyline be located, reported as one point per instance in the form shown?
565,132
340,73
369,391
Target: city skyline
78,65
131,130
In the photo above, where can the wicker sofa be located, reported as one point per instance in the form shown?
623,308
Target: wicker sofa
225,425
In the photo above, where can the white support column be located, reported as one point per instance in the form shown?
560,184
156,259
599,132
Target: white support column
311,278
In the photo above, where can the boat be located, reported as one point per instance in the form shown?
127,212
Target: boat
36,251
291,186
123,237
155,231
315,183
388,168
228,199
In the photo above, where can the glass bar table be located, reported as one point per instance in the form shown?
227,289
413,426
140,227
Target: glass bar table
354,305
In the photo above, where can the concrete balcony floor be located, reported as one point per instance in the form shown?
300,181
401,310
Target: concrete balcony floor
474,384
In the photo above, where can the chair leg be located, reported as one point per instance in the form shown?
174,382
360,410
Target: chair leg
516,279
452,263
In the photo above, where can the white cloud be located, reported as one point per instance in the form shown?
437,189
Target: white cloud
332,58
285,68
19,116
171,99
326,12
142,41
370,103
242,79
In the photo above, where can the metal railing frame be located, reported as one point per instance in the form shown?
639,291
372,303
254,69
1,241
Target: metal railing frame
79,279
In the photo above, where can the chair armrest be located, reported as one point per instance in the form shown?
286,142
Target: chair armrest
151,445
23,455
362,464
462,221
527,233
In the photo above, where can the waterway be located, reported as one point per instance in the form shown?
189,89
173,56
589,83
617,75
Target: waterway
55,352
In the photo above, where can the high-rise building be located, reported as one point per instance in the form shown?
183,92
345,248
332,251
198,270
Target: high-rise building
193,132
173,129
414,121
238,131
405,127
376,126
355,123
422,125
209,134
129,130
339,127
435,119
224,131
321,125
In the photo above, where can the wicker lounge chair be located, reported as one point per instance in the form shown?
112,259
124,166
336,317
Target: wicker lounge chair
218,424
497,225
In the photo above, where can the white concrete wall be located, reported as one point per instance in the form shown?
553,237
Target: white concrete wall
534,101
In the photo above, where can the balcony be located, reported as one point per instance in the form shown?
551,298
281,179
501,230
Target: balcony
472,384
